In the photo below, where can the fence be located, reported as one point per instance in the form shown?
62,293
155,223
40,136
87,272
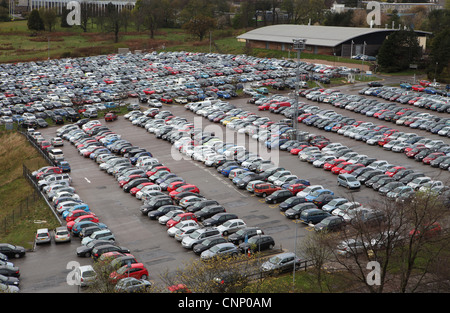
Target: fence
24,208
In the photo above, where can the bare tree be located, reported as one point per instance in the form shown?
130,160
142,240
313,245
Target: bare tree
403,236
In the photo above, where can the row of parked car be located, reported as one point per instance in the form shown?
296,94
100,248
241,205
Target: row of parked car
97,240
298,199
9,273
421,96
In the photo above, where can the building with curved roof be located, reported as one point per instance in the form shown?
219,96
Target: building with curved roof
341,41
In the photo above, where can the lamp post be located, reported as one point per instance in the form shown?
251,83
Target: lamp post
299,45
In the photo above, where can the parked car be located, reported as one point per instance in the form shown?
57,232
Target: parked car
85,275
12,251
329,224
221,250
132,285
257,243
43,236
219,219
283,262
136,270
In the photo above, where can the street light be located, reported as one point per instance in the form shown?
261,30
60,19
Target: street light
299,45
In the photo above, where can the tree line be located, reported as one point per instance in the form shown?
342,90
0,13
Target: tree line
199,17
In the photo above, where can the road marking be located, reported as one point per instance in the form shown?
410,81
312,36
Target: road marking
87,180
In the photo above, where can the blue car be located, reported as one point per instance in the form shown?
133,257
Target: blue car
134,159
226,171
83,207
313,195
64,166
76,229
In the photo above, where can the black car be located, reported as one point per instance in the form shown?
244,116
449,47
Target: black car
257,243
98,251
209,211
12,251
58,119
9,271
41,122
296,211
331,223
243,234
322,200
197,206
208,243
219,219
162,210
134,183
9,280
86,250
154,203
278,196
375,179
290,202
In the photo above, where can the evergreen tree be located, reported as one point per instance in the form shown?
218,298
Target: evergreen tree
399,50
35,22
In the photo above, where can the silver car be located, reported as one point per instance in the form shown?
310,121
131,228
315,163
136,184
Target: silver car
281,262
221,250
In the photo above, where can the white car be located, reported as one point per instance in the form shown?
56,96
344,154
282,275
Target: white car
308,190
183,225
231,226
85,275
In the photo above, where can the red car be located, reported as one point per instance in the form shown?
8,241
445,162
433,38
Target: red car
45,144
134,190
394,170
89,217
111,116
128,179
413,152
431,157
47,171
264,107
136,270
76,214
430,230
296,188
181,217
173,186
350,168
265,189
191,188
152,171
297,150
329,165
336,169
418,88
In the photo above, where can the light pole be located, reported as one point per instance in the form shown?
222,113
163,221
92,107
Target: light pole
299,45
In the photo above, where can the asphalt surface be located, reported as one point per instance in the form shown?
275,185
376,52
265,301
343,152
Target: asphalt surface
48,268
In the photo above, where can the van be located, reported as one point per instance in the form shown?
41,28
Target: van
348,181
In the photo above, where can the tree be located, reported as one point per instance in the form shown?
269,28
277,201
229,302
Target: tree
114,20
49,17
409,257
439,63
198,18
35,22
399,50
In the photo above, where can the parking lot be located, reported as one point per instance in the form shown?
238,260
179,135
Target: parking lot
49,268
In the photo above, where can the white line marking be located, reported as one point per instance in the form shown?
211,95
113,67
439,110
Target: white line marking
87,180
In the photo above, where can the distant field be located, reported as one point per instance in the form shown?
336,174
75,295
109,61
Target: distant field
17,44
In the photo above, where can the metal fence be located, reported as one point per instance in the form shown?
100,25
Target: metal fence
23,208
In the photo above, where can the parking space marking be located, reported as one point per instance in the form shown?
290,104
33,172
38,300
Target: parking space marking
87,180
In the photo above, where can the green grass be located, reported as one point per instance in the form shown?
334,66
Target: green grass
20,210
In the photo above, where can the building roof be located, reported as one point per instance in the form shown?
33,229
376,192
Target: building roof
326,36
